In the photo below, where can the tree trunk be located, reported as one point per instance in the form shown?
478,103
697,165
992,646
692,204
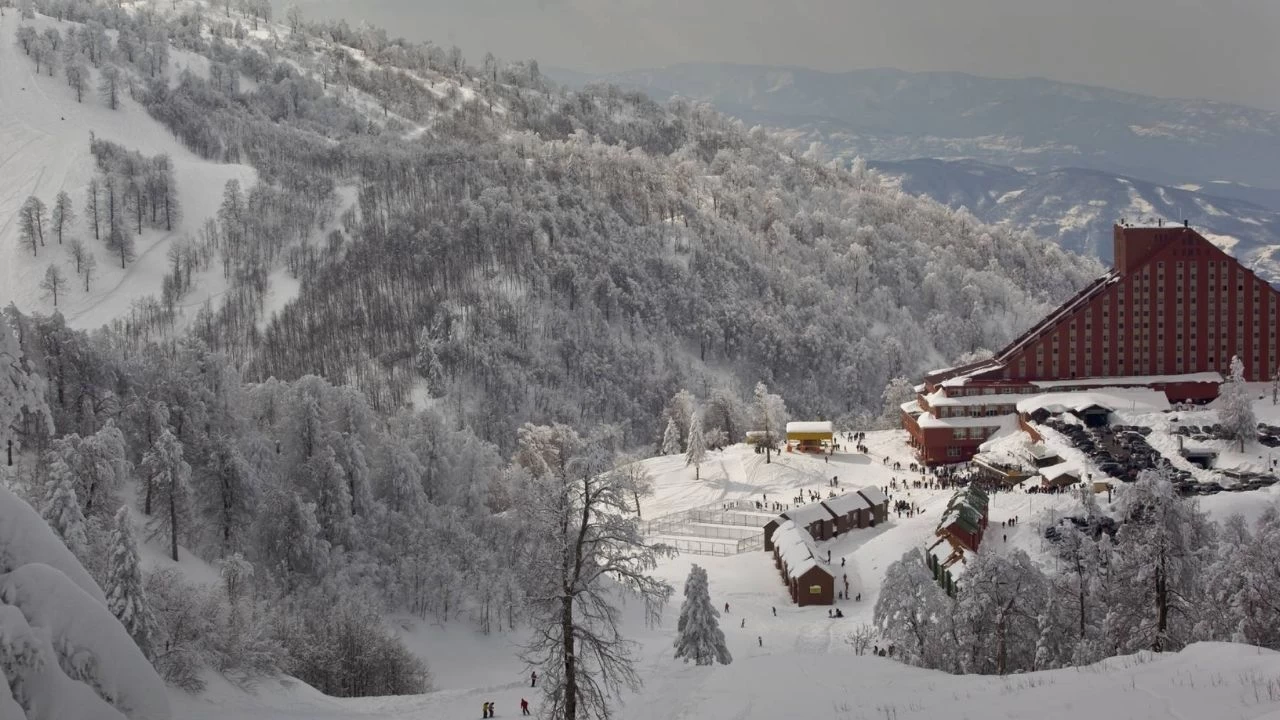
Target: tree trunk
173,521
570,660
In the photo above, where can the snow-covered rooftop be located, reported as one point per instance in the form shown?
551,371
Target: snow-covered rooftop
963,379
1203,377
911,407
939,398
929,421
806,514
819,426
1054,472
1131,399
846,503
874,494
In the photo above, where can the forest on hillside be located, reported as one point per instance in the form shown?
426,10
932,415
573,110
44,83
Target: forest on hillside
520,252
554,279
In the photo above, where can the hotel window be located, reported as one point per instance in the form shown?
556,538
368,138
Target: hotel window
953,452
958,433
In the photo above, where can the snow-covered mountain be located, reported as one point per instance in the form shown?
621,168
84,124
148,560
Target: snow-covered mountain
886,114
1078,207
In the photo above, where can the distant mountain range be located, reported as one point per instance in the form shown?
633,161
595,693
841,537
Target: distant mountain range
1065,161
1079,206
1031,123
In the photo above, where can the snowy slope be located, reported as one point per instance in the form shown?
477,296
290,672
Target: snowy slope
44,149
804,668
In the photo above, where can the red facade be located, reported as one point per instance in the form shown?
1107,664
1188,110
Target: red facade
1173,306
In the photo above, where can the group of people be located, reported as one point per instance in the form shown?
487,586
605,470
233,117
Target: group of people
490,710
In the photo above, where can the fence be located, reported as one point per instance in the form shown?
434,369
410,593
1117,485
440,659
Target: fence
719,548
710,530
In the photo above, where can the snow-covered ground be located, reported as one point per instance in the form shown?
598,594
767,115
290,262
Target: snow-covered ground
797,663
44,149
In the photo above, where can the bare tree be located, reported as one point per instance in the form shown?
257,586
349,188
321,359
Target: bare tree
109,86
63,214
90,270
54,283
78,252
91,207
31,221
589,545
77,76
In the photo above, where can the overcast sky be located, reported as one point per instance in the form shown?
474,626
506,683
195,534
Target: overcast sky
1219,49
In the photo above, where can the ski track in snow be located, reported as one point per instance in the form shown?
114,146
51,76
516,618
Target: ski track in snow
44,149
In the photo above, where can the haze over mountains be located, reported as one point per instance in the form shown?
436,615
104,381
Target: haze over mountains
1080,157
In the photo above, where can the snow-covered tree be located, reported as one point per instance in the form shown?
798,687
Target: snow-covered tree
32,220
681,409
110,82
62,510
64,215
54,283
671,438
126,596
588,547
770,418
1235,406
697,448
914,614
170,479
898,391
998,612
1163,545
699,637
21,390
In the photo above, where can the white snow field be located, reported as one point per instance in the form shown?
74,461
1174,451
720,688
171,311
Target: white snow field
797,664
44,149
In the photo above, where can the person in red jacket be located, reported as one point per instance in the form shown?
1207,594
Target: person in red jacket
524,706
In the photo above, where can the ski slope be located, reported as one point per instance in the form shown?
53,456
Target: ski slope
44,149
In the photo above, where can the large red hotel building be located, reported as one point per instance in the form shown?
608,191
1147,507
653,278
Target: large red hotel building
1169,316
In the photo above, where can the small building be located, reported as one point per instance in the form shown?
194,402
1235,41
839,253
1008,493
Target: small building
810,436
814,518
965,519
812,584
808,580
1060,476
851,511
879,504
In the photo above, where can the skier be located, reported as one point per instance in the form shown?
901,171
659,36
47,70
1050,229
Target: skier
760,640
524,706
841,562
775,612
484,710
744,623
726,608
533,679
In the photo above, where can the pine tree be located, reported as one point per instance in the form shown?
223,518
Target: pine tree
1235,406
126,597
699,637
671,438
61,508
697,451
170,479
